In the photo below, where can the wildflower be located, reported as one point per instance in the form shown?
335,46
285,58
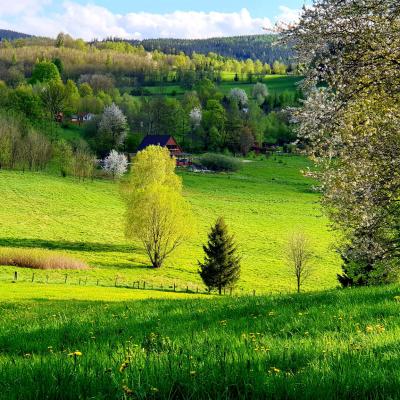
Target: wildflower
76,353
154,389
124,366
369,329
380,328
397,298
192,373
274,370
127,390
271,313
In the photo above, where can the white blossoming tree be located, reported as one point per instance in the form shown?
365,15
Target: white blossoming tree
115,164
240,96
113,127
351,49
196,116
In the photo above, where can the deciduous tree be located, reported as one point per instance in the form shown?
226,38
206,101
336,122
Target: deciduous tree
157,213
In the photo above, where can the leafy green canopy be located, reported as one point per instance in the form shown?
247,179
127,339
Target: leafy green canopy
352,48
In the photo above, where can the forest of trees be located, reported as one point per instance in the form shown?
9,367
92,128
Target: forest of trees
255,47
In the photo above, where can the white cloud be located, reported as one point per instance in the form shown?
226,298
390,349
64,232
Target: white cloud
17,7
90,21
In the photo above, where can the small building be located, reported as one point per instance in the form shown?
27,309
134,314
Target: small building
170,143
81,118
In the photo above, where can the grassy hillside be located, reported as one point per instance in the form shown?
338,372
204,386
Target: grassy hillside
338,344
262,205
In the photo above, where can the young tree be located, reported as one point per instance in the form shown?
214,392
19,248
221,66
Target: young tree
116,164
221,265
260,92
113,128
157,214
298,255
53,95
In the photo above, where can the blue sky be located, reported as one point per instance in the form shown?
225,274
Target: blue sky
91,19
258,8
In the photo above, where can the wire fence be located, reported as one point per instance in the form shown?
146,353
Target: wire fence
117,282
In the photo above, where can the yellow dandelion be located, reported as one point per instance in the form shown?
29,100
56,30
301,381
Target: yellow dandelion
274,370
127,390
76,353
124,366
154,389
369,329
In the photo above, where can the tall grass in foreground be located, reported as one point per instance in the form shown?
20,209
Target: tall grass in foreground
338,344
39,259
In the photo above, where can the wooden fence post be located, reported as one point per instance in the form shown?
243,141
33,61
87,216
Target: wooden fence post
174,287
15,276
33,276
65,279
254,292
144,285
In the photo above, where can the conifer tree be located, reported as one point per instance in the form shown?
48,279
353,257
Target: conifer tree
221,266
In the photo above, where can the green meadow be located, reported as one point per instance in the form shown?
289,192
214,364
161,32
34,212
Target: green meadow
275,83
262,204
327,345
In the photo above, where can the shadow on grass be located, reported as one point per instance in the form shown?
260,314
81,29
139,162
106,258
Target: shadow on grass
67,245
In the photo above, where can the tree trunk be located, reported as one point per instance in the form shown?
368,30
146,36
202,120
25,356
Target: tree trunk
220,290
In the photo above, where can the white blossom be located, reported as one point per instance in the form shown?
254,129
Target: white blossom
196,116
114,124
115,163
240,96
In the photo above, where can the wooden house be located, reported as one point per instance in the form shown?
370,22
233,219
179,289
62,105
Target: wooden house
170,143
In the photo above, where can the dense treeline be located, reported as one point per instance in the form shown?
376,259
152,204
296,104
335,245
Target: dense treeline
128,65
6,34
255,47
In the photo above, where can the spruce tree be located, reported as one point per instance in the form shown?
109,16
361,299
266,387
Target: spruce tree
221,265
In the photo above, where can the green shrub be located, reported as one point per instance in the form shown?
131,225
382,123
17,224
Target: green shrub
219,162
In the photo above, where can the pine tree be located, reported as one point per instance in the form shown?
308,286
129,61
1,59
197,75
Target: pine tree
221,266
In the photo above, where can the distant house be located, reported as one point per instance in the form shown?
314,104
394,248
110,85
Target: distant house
81,118
170,143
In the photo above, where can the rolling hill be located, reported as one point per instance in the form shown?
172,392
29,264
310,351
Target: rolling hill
6,34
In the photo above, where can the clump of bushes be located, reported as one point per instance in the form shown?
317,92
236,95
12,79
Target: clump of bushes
39,259
219,162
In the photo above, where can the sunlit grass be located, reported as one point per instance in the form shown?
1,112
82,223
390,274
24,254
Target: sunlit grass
262,205
337,344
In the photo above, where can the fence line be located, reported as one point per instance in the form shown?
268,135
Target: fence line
123,284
